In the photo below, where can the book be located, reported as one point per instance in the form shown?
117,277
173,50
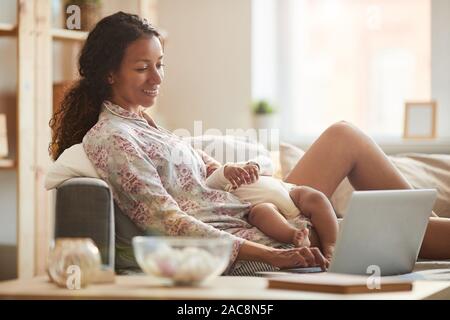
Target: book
338,283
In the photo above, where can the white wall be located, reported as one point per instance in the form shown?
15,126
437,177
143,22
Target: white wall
208,64
440,63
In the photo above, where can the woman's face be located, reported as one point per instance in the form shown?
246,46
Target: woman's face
140,74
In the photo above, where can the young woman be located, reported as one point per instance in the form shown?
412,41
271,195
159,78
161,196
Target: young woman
121,69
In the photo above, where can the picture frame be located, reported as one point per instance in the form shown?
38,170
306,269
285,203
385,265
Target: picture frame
420,120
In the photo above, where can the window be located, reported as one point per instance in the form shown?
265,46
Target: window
331,60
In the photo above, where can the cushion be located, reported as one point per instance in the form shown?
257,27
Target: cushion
289,156
228,148
421,170
73,162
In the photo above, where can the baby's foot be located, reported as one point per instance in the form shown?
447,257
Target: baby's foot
301,238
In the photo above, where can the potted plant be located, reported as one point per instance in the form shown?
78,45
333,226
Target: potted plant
265,116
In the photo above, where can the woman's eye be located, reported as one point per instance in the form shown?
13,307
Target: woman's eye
160,65
141,69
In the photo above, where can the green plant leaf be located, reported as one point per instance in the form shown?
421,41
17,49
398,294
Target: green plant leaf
263,107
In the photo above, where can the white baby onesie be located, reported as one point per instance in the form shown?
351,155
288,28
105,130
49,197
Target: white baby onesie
265,189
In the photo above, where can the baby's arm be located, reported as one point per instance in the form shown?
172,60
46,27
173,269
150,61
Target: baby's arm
217,180
315,205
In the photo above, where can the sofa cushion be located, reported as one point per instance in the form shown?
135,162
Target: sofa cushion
229,148
421,171
73,162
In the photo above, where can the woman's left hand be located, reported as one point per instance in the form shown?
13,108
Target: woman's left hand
211,167
298,257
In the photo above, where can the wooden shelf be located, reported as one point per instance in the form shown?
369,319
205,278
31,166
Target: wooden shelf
8,29
7,164
69,35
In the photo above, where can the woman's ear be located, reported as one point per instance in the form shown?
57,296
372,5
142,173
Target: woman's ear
110,78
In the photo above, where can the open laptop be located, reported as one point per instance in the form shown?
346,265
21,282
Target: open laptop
382,230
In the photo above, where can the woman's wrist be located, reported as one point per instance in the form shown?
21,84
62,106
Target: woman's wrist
252,251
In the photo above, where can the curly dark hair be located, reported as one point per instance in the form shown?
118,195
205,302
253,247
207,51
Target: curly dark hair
102,53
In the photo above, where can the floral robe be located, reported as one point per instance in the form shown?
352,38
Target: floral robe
158,180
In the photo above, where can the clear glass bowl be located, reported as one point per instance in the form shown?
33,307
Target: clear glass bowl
73,262
183,261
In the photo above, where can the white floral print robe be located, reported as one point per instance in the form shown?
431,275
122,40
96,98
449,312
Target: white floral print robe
158,180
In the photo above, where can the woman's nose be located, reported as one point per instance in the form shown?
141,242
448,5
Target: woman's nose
155,77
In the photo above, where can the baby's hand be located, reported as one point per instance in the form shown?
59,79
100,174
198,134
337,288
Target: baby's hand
236,175
253,170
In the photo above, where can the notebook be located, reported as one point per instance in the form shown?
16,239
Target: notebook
338,283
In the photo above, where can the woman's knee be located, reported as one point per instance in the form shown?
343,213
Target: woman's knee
347,135
343,129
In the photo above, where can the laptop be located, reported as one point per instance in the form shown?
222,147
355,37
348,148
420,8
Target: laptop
382,232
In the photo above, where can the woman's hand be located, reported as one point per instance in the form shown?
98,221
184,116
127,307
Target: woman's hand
298,257
236,175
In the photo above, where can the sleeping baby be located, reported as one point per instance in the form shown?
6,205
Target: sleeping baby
274,202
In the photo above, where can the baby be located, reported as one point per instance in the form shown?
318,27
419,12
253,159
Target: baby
274,202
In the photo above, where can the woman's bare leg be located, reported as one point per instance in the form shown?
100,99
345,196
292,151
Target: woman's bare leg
436,243
345,151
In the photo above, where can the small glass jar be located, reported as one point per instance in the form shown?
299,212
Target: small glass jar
73,262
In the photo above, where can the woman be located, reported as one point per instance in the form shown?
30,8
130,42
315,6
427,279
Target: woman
121,69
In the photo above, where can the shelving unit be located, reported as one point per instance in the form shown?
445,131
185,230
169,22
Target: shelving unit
8,30
34,107
7,164
68,35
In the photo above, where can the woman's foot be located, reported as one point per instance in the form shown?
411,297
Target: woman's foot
301,238
328,251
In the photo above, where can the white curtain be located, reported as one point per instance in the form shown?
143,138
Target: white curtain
331,60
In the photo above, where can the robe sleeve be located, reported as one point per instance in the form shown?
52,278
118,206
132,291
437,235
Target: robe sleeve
139,192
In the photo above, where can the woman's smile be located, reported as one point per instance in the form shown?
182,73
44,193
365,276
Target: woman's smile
151,93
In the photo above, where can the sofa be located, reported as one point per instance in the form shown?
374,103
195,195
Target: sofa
84,205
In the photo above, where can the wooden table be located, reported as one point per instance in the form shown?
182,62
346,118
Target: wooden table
222,288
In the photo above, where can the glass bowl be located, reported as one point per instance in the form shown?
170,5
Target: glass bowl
182,261
73,262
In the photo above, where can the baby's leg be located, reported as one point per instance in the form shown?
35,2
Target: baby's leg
316,206
267,218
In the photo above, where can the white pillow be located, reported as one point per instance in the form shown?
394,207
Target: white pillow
289,156
73,162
